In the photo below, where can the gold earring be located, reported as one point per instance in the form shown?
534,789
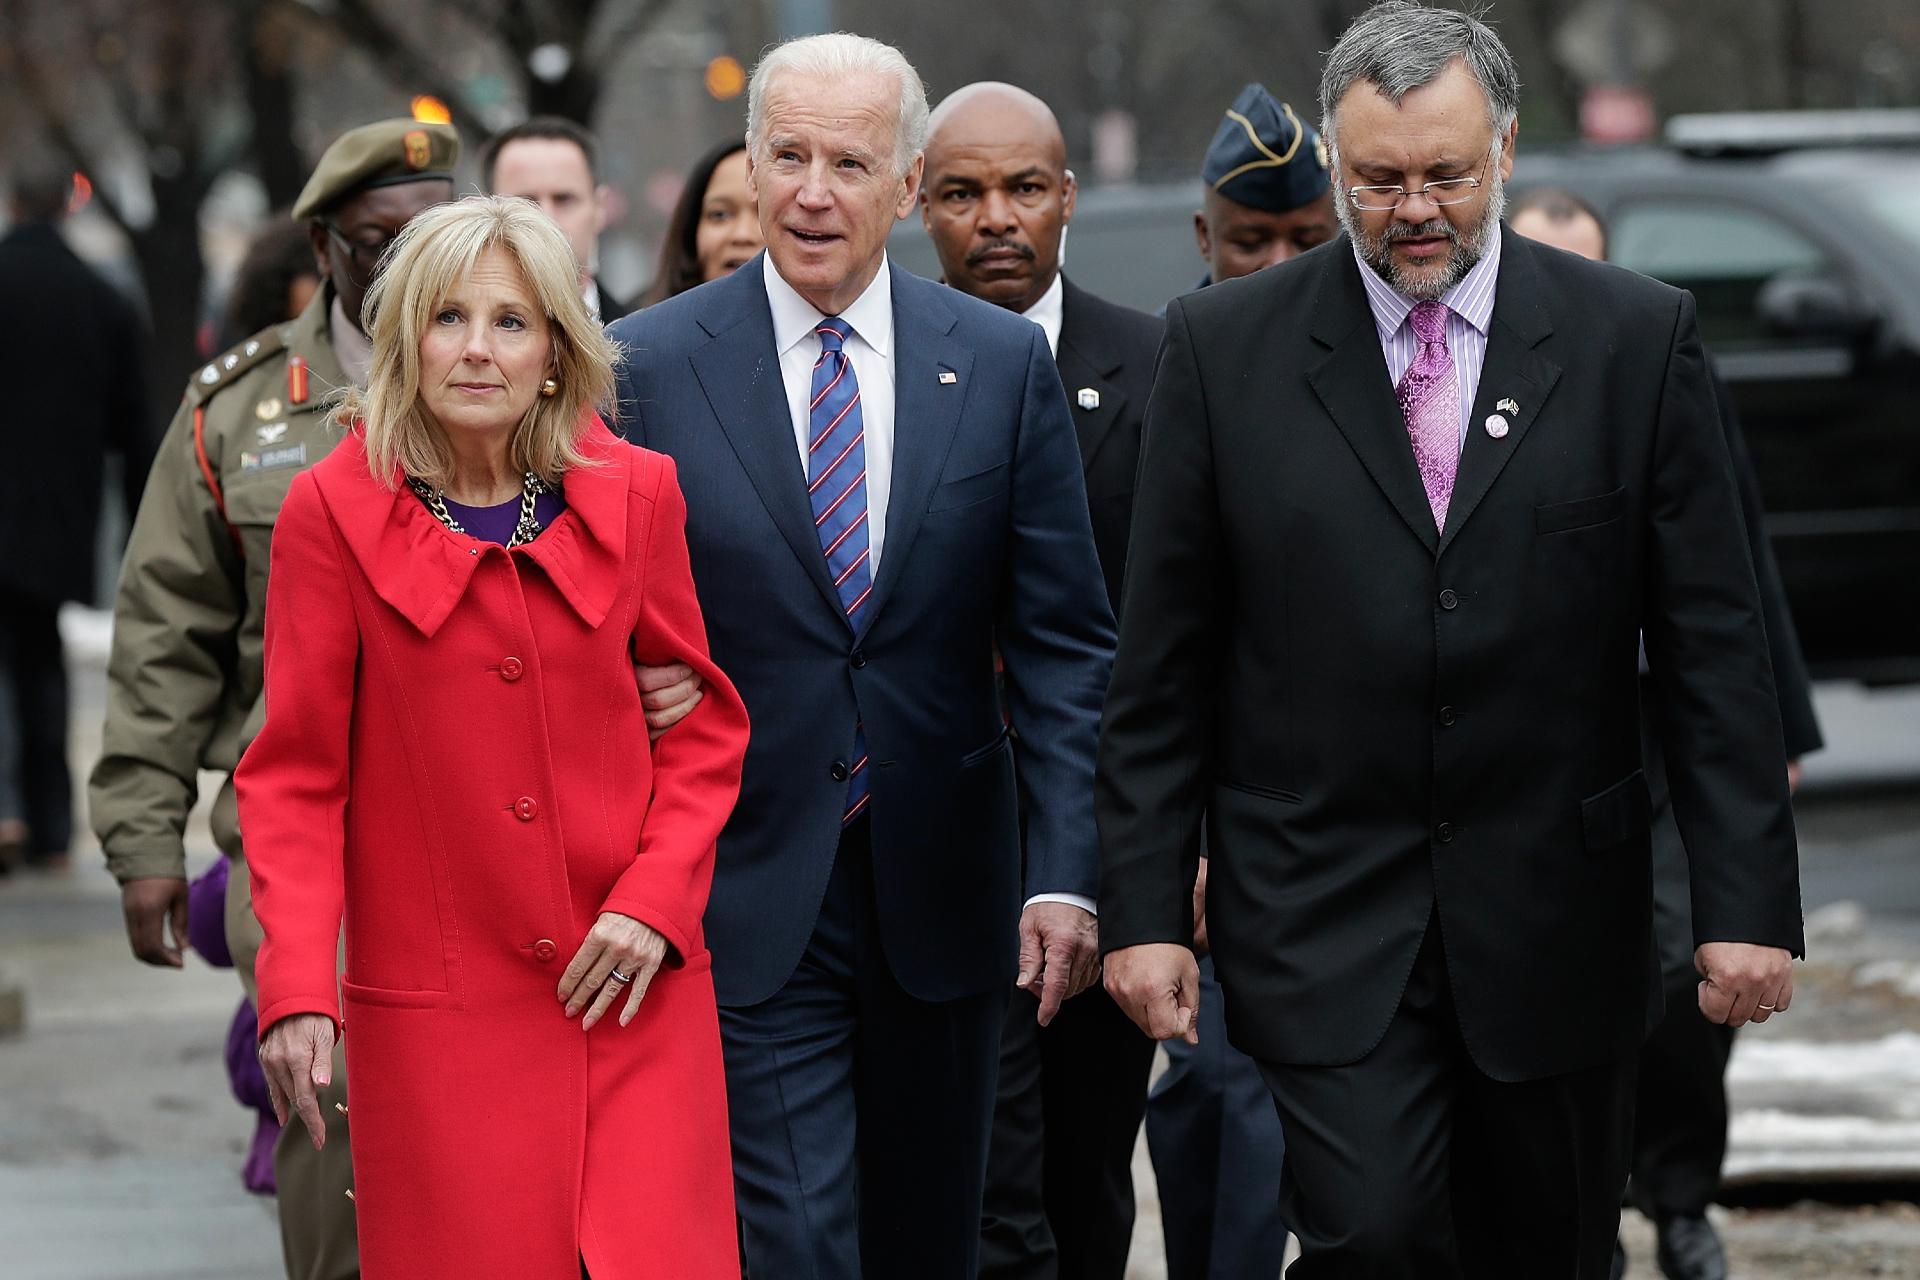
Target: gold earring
549,387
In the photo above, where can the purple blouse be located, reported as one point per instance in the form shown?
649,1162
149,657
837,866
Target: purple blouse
495,524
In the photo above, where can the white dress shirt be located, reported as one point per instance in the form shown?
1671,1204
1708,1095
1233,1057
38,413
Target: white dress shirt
1469,307
870,348
1047,311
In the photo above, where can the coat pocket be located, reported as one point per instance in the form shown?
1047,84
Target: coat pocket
1559,517
1619,813
981,753
1255,789
968,490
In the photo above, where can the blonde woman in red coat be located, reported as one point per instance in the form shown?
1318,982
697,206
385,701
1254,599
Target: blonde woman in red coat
455,763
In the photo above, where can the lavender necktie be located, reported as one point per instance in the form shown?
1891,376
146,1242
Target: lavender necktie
1430,401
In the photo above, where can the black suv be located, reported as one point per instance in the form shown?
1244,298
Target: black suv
1804,256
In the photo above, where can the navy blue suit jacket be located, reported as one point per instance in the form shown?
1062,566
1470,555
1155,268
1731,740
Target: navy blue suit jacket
988,541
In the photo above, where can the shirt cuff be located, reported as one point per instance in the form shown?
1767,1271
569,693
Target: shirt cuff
1081,901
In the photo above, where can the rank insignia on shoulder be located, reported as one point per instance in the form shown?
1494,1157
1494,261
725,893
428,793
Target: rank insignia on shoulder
269,409
1089,398
210,374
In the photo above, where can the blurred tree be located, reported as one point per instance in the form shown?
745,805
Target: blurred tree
563,50
140,95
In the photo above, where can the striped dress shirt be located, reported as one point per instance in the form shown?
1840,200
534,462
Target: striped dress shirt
1469,313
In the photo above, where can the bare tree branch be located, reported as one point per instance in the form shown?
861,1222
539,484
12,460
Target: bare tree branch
360,23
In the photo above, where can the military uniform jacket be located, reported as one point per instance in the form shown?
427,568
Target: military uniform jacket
183,682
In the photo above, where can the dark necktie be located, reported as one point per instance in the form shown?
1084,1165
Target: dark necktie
837,487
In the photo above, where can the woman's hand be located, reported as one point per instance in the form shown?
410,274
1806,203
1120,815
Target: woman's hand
618,944
297,1056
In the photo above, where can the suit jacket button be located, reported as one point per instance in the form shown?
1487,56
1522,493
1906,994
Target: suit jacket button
510,668
1447,599
544,950
859,659
839,771
525,808
1447,715
1445,832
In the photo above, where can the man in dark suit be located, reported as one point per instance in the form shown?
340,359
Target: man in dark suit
555,163
1408,503
1073,1077
867,906
71,356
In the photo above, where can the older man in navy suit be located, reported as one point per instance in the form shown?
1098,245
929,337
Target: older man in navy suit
883,487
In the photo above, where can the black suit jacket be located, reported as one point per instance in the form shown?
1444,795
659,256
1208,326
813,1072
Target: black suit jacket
612,308
1109,350
1384,723
72,361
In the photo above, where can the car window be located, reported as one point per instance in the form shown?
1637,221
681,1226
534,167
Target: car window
1723,252
1894,205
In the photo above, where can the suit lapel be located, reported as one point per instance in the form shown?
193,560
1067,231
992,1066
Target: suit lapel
1086,362
926,412
1352,382
1514,371
739,370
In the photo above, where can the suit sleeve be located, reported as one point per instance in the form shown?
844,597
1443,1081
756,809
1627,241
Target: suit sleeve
1158,719
179,608
1792,686
1707,650
1056,637
696,764
293,779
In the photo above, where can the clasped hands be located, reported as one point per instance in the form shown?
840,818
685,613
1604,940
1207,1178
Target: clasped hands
297,1053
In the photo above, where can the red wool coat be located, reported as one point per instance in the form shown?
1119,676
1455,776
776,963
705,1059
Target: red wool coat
455,758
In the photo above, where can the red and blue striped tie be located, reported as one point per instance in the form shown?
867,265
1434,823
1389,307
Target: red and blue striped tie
837,486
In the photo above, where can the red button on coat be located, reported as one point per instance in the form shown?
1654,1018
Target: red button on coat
525,808
510,668
544,950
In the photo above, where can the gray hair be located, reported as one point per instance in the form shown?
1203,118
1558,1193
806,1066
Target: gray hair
1399,45
836,57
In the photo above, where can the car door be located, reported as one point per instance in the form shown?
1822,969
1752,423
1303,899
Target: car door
1828,417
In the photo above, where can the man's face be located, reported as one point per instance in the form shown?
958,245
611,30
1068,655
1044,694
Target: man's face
826,184
1237,240
349,239
997,198
1437,132
552,172
1579,234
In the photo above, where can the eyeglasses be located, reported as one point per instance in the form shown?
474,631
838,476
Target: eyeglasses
1446,191
365,257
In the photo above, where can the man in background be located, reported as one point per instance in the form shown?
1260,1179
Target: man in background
71,359
996,200
1211,1128
1267,194
1680,1117
556,164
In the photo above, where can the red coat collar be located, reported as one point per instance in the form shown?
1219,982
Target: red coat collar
422,568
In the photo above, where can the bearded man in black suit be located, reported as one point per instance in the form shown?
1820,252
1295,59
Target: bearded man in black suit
1073,1075
1407,504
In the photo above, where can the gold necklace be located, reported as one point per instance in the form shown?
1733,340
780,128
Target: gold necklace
524,530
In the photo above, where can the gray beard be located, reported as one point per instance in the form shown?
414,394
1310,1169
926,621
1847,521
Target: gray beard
1467,247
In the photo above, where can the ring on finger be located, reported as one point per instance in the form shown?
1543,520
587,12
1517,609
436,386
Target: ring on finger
1765,1008
622,978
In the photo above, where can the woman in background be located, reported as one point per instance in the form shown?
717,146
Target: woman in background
715,229
275,282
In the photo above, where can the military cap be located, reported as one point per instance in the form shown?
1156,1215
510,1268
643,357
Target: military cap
382,154
1264,156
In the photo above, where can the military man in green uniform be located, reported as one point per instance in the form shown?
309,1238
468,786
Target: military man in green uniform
183,685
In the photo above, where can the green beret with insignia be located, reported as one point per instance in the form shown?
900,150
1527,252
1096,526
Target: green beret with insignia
1265,156
383,154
